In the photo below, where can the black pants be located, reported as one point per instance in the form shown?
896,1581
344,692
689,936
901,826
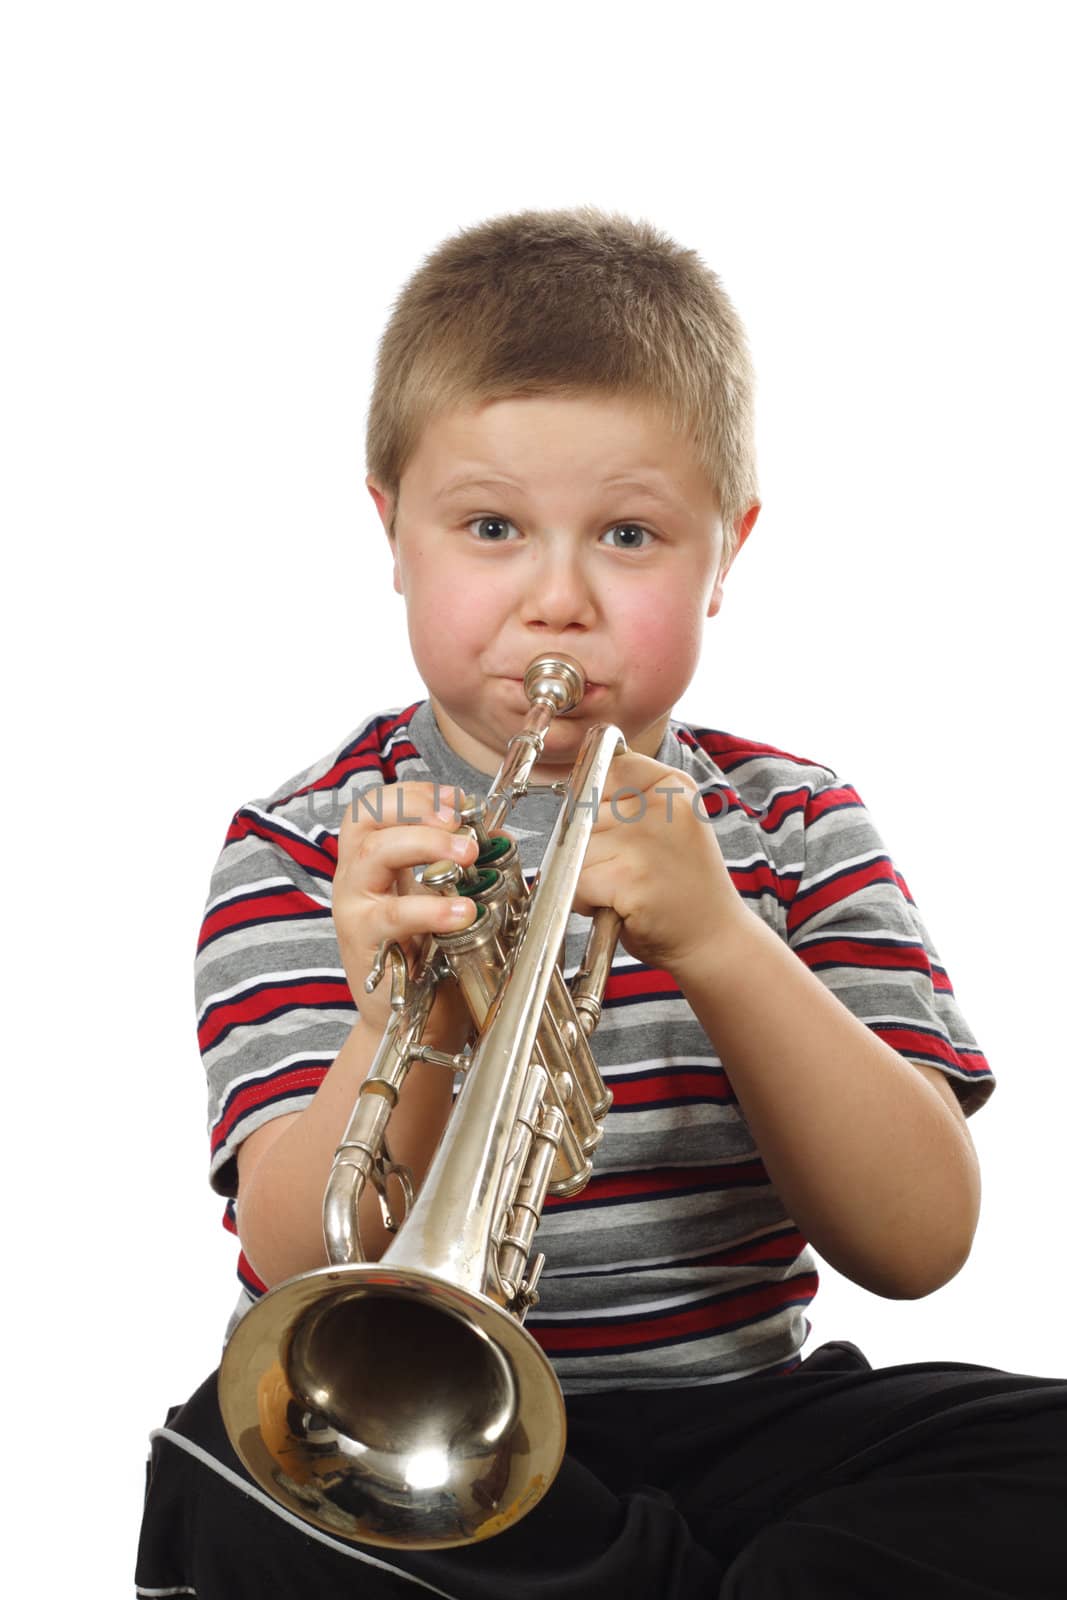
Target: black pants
937,1479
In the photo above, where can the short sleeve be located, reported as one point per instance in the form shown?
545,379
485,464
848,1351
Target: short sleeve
273,1003
853,922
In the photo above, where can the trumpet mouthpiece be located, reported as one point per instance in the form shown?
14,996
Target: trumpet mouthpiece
558,680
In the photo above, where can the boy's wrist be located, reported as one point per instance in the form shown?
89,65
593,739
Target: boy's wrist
712,966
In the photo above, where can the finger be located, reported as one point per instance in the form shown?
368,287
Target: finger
415,803
378,859
635,785
403,918
631,770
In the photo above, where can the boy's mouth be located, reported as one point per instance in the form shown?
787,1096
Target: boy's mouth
589,685
592,692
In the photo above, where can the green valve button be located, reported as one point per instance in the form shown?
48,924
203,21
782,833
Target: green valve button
483,880
498,846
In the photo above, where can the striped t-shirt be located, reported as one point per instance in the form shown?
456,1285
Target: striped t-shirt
677,1263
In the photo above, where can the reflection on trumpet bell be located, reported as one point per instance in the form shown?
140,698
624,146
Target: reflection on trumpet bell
403,1403
418,1414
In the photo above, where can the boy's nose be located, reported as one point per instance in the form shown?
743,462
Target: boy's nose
557,593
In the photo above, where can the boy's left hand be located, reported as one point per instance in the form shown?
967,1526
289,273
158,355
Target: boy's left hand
653,856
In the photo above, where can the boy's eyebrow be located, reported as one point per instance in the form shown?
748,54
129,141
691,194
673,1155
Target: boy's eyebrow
653,491
472,481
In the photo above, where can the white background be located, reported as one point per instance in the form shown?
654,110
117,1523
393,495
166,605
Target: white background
209,209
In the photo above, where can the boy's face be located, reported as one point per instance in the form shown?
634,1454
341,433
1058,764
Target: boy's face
575,524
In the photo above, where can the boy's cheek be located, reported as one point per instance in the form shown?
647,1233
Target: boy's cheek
662,635
440,638
667,635
450,616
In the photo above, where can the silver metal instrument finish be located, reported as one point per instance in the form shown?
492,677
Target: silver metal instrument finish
402,1403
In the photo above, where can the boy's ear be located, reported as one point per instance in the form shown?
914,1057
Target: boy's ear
744,528
383,501
386,508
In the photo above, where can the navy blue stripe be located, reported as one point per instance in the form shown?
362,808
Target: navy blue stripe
671,1069
249,1287
680,1263
257,1079
330,975
264,922
802,1298
269,830
265,1100
281,1011
850,871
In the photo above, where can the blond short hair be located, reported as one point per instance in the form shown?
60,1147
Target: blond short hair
573,302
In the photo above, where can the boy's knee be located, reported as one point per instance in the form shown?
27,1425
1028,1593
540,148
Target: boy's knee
790,1560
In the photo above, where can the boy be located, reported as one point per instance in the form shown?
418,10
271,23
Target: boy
560,450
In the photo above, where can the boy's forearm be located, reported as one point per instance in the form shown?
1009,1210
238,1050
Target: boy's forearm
871,1165
279,1212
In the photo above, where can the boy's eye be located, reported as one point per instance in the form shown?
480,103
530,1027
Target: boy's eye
630,529
493,525
492,530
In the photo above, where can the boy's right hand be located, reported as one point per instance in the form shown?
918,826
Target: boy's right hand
376,897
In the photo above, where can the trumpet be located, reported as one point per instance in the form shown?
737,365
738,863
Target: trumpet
402,1403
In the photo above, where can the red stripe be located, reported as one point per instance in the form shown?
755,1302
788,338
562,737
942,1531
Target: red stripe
873,956
730,747
839,888
245,1269
865,953
295,1081
247,910
337,777
761,875
788,1244
779,1251
631,982
671,1086
366,754
782,806
841,794
315,857
909,1041
313,992
664,1182
784,1246
728,1312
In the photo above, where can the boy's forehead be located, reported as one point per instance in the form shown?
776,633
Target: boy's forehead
510,417
618,442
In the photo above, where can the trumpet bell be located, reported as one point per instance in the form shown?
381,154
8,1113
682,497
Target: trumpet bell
387,1405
